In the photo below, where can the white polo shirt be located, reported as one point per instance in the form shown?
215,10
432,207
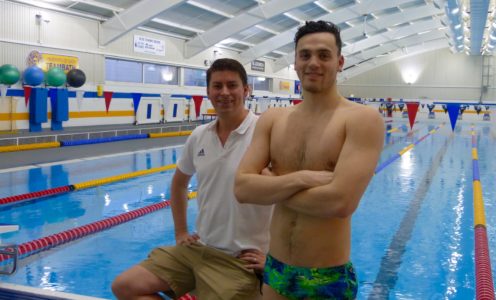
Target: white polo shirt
223,222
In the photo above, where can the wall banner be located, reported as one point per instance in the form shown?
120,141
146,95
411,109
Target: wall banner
284,86
46,61
144,44
258,65
297,87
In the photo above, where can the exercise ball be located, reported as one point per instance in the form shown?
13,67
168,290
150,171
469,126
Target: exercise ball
76,78
55,77
33,76
10,74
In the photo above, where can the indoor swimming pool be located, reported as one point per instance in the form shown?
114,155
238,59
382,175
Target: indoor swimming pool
412,234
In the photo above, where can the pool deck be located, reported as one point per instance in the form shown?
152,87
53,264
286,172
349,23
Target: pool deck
19,292
19,159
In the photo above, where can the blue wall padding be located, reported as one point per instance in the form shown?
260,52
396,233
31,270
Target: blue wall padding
60,111
149,111
174,111
104,140
38,105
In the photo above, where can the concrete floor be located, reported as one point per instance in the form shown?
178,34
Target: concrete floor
39,156
33,157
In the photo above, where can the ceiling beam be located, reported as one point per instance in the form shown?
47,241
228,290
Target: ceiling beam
338,16
478,18
241,22
98,4
402,45
413,50
394,34
133,17
176,25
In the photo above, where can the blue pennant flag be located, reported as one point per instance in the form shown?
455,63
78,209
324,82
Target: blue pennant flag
453,111
136,101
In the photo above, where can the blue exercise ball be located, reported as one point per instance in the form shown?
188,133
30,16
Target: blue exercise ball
33,76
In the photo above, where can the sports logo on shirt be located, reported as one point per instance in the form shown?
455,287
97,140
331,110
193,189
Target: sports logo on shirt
201,153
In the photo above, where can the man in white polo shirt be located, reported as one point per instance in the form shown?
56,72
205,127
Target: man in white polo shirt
220,261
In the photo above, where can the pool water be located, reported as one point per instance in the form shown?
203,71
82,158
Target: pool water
412,235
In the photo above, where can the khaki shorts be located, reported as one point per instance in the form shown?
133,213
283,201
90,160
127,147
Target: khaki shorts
210,272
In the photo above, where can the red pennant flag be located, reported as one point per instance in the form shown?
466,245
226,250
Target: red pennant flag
295,102
198,101
27,94
412,108
108,99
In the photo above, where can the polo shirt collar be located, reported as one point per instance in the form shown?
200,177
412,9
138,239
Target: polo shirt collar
242,128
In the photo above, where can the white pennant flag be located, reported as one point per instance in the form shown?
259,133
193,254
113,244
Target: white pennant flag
79,99
165,103
264,104
3,90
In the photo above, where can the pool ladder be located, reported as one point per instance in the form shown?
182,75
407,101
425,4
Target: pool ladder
11,252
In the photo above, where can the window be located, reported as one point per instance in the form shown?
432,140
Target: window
195,77
160,74
258,83
123,70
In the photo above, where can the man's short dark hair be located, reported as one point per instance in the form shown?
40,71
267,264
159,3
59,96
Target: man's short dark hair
227,64
319,26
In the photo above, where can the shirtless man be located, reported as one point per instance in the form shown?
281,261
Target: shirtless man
320,156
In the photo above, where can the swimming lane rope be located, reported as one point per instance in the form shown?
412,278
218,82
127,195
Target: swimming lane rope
57,239
406,149
484,286
82,185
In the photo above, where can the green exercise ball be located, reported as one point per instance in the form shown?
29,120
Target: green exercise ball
9,74
55,77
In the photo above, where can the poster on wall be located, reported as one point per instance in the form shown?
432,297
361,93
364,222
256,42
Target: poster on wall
144,44
258,65
46,61
284,86
297,87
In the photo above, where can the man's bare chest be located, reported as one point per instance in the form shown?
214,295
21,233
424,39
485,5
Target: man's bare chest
306,147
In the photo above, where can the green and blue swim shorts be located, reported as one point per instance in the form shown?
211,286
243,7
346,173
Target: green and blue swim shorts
295,282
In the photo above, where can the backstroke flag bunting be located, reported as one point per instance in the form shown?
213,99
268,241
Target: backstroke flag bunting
3,90
412,108
136,101
79,99
453,111
27,94
198,101
108,99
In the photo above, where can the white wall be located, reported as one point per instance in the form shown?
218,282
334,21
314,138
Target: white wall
442,75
